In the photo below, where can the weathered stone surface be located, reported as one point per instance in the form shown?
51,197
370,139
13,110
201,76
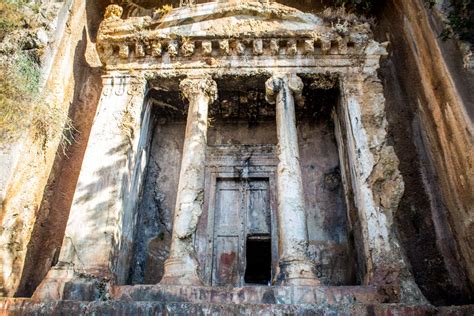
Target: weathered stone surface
257,30
327,222
100,226
295,266
182,267
249,294
430,107
113,12
377,184
155,215
21,307
26,164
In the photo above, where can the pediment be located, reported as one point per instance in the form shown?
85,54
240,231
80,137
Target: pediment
219,19
239,18
227,31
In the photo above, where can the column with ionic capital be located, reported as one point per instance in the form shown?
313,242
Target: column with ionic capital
295,266
181,267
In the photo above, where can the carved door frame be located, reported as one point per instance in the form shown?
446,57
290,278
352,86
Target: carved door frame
222,165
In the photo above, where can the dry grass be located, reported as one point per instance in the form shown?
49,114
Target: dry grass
164,10
337,14
23,105
19,85
10,16
361,6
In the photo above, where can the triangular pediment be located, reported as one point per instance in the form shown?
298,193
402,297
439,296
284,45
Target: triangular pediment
236,18
226,33
221,19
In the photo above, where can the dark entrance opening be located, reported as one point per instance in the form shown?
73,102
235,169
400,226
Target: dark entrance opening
259,260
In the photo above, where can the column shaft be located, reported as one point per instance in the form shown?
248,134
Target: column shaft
182,266
295,266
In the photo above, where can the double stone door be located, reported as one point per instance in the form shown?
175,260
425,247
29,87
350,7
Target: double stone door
236,241
243,246
242,226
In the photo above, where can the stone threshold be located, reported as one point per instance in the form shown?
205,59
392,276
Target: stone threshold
324,295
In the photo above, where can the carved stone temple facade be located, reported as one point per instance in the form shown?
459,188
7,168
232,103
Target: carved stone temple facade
188,54
239,156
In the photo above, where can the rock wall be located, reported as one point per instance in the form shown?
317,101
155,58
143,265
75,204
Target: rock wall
155,214
325,207
35,210
18,307
430,109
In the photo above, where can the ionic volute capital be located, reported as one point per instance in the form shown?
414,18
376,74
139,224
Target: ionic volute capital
194,87
280,82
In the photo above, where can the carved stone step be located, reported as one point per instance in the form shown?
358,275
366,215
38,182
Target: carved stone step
328,295
29,307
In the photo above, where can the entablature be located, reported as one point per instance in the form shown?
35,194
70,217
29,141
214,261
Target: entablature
242,35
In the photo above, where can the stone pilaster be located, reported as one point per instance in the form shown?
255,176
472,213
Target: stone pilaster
182,266
295,265
100,224
377,186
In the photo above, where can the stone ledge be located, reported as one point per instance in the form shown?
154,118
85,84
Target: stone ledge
326,295
29,307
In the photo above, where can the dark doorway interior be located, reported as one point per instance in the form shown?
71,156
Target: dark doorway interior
259,260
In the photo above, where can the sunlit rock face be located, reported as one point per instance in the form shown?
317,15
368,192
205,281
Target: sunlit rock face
148,7
238,157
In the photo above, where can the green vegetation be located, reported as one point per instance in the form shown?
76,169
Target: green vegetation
361,6
23,104
460,16
19,86
460,20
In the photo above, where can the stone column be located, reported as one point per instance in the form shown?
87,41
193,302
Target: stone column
295,265
182,267
98,232
377,185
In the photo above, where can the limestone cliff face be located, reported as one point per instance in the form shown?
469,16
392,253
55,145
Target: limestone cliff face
430,112
60,38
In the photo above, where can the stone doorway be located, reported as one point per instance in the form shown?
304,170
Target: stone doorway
239,212
242,227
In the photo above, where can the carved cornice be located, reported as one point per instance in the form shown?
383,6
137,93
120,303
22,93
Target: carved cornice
303,45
